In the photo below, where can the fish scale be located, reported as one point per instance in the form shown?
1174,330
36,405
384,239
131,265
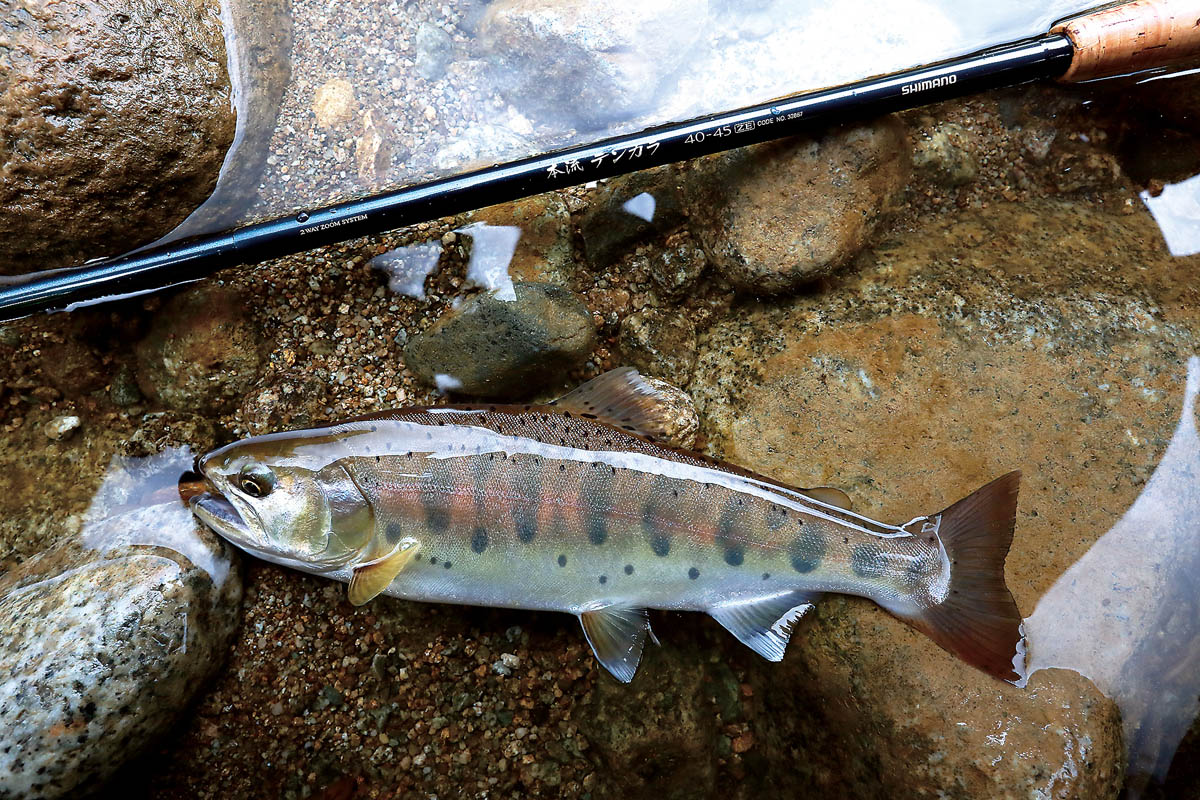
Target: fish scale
578,507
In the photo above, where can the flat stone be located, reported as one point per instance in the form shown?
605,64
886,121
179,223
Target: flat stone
106,142
589,62
202,352
774,216
913,380
495,348
105,648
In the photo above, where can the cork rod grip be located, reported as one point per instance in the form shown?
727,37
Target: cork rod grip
1132,36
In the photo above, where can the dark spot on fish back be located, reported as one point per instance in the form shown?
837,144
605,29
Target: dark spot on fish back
735,554
562,561
693,573
629,569
867,560
660,544
393,532
479,540
603,579
446,564
806,551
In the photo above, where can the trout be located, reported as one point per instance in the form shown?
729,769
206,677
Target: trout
577,506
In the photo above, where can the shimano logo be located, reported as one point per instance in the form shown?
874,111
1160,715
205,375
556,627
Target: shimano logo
933,83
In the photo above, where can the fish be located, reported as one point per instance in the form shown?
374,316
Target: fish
579,506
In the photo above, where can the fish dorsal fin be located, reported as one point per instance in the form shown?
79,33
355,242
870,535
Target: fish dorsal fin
617,635
372,577
623,398
829,496
764,624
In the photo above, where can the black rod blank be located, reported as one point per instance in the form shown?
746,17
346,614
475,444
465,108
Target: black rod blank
1045,57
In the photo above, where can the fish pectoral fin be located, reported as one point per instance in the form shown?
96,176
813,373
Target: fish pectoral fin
617,635
372,577
622,398
764,624
829,496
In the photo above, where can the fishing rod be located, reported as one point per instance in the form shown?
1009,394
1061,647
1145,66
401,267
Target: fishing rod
1127,38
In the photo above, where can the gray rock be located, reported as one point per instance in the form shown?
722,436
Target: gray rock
630,210
202,352
107,142
590,62
677,265
660,343
434,51
944,155
479,145
104,648
490,347
776,215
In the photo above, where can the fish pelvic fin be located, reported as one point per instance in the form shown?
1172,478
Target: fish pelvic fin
977,618
372,577
617,635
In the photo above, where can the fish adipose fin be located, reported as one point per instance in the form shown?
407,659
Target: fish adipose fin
372,577
978,620
624,399
764,624
617,635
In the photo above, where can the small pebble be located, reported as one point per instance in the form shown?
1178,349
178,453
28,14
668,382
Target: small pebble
61,428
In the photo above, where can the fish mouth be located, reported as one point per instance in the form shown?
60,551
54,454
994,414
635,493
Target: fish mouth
219,514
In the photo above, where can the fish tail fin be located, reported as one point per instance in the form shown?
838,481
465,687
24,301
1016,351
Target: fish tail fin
977,618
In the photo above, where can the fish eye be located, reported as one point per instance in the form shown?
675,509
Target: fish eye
256,480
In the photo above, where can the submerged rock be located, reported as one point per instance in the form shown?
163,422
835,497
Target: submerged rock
544,249
660,344
590,62
104,648
107,142
931,369
202,352
494,348
774,216
628,211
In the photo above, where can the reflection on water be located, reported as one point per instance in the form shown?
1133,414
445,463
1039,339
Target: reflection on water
1125,615
149,487
408,267
486,100
1177,211
492,248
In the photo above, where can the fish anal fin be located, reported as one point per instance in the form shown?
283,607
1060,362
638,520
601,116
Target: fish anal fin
764,624
372,577
829,496
617,635
625,399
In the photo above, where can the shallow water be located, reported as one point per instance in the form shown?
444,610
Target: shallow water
1028,304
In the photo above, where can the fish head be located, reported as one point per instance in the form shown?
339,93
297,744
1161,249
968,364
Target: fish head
288,504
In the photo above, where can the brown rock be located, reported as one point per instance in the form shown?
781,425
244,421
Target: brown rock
776,215
106,141
544,251
929,370
660,343
333,103
202,352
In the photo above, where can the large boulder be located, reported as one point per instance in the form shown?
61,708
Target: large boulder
115,118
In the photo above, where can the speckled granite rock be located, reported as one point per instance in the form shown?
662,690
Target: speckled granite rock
107,143
590,62
776,215
103,649
931,369
495,348
660,343
202,352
